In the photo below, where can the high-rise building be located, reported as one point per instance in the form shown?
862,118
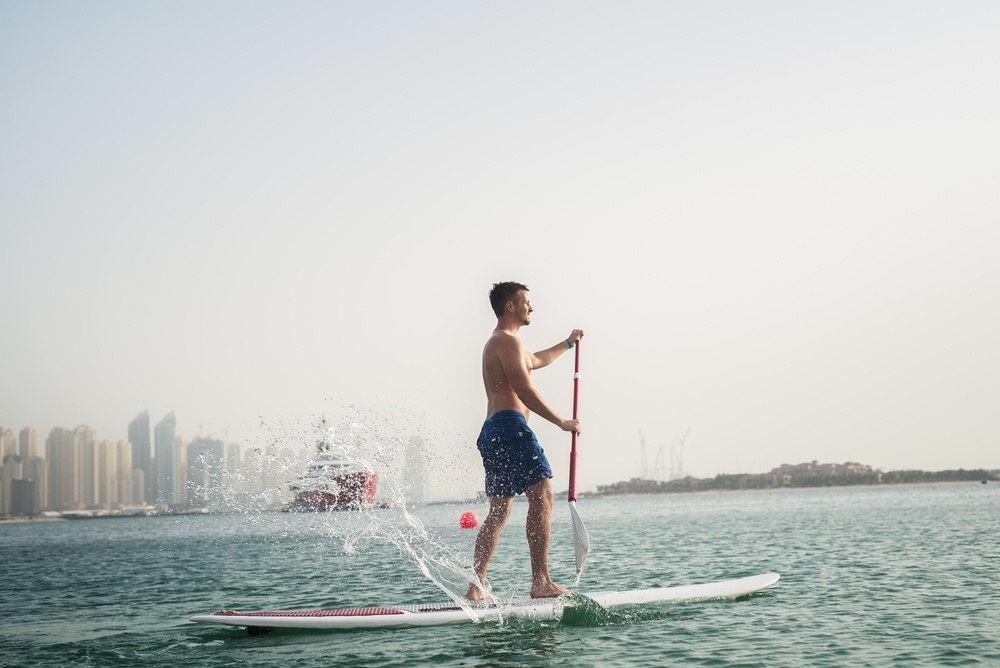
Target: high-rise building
205,471
415,467
64,457
252,470
142,456
165,442
90,485
36,470
8,446
115,473
180,465
123,473
10,470
107,474
234,458
22,498
28,444
138,485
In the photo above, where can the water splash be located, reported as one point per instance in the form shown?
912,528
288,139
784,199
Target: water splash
368,441
375,444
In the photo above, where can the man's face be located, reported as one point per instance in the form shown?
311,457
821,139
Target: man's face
522,307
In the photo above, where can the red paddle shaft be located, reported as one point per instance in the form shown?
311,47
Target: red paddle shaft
576,405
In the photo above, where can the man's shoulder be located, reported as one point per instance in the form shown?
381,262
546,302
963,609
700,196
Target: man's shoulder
500,341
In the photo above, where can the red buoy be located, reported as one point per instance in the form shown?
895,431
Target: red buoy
468,520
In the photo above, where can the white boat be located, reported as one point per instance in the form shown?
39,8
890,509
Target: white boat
331,481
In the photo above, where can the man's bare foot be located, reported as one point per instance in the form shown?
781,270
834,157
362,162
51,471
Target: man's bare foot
478,592
547,590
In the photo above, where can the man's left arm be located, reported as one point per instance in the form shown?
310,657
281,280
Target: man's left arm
546,357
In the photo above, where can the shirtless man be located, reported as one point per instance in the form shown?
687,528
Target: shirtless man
514,461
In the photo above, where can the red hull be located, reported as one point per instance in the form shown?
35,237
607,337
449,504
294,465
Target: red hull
354,490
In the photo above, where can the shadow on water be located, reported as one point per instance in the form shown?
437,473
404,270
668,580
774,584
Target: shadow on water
512,643
526,642
515,645
581,611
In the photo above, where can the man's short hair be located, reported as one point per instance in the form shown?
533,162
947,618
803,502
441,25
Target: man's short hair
503,293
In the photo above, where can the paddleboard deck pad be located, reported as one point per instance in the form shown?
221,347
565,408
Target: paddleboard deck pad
453,613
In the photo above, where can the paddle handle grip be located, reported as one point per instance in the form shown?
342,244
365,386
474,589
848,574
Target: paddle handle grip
576,408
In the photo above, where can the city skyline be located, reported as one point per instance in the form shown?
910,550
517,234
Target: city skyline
78,450
84,472
75,469
36,447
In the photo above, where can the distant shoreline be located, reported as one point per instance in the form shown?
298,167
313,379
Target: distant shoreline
758,490
24,520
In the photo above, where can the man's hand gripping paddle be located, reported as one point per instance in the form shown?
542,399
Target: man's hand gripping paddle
581,541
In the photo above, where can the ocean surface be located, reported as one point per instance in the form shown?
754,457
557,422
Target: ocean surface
895,576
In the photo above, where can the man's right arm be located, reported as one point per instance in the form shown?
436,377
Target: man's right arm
515,367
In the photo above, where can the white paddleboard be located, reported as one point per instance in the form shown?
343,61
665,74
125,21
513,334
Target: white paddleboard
435,614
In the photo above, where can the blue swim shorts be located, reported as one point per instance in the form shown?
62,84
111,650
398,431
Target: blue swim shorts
512,457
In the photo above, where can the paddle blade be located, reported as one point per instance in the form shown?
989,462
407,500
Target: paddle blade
581,541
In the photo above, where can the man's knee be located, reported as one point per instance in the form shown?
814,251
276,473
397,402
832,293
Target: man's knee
500,511
541,492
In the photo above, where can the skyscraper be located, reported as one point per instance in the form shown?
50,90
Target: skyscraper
22,497
64,466
36,469
86,439
206,471
234,458
180,465
138,485
28,442
8,446
415,467
10,470
107,474
165,441
142,456
123,473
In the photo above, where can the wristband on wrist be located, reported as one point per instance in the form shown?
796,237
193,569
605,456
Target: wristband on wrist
569,344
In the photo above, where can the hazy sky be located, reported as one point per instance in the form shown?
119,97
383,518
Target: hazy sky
777,222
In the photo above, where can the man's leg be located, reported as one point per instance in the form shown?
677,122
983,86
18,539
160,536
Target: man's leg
539,529
486,542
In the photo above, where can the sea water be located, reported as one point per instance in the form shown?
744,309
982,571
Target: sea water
870,577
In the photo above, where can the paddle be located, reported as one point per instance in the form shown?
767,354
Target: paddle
581,541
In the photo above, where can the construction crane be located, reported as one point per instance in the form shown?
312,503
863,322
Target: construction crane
677,457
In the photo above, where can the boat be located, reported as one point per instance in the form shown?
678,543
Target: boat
331,481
